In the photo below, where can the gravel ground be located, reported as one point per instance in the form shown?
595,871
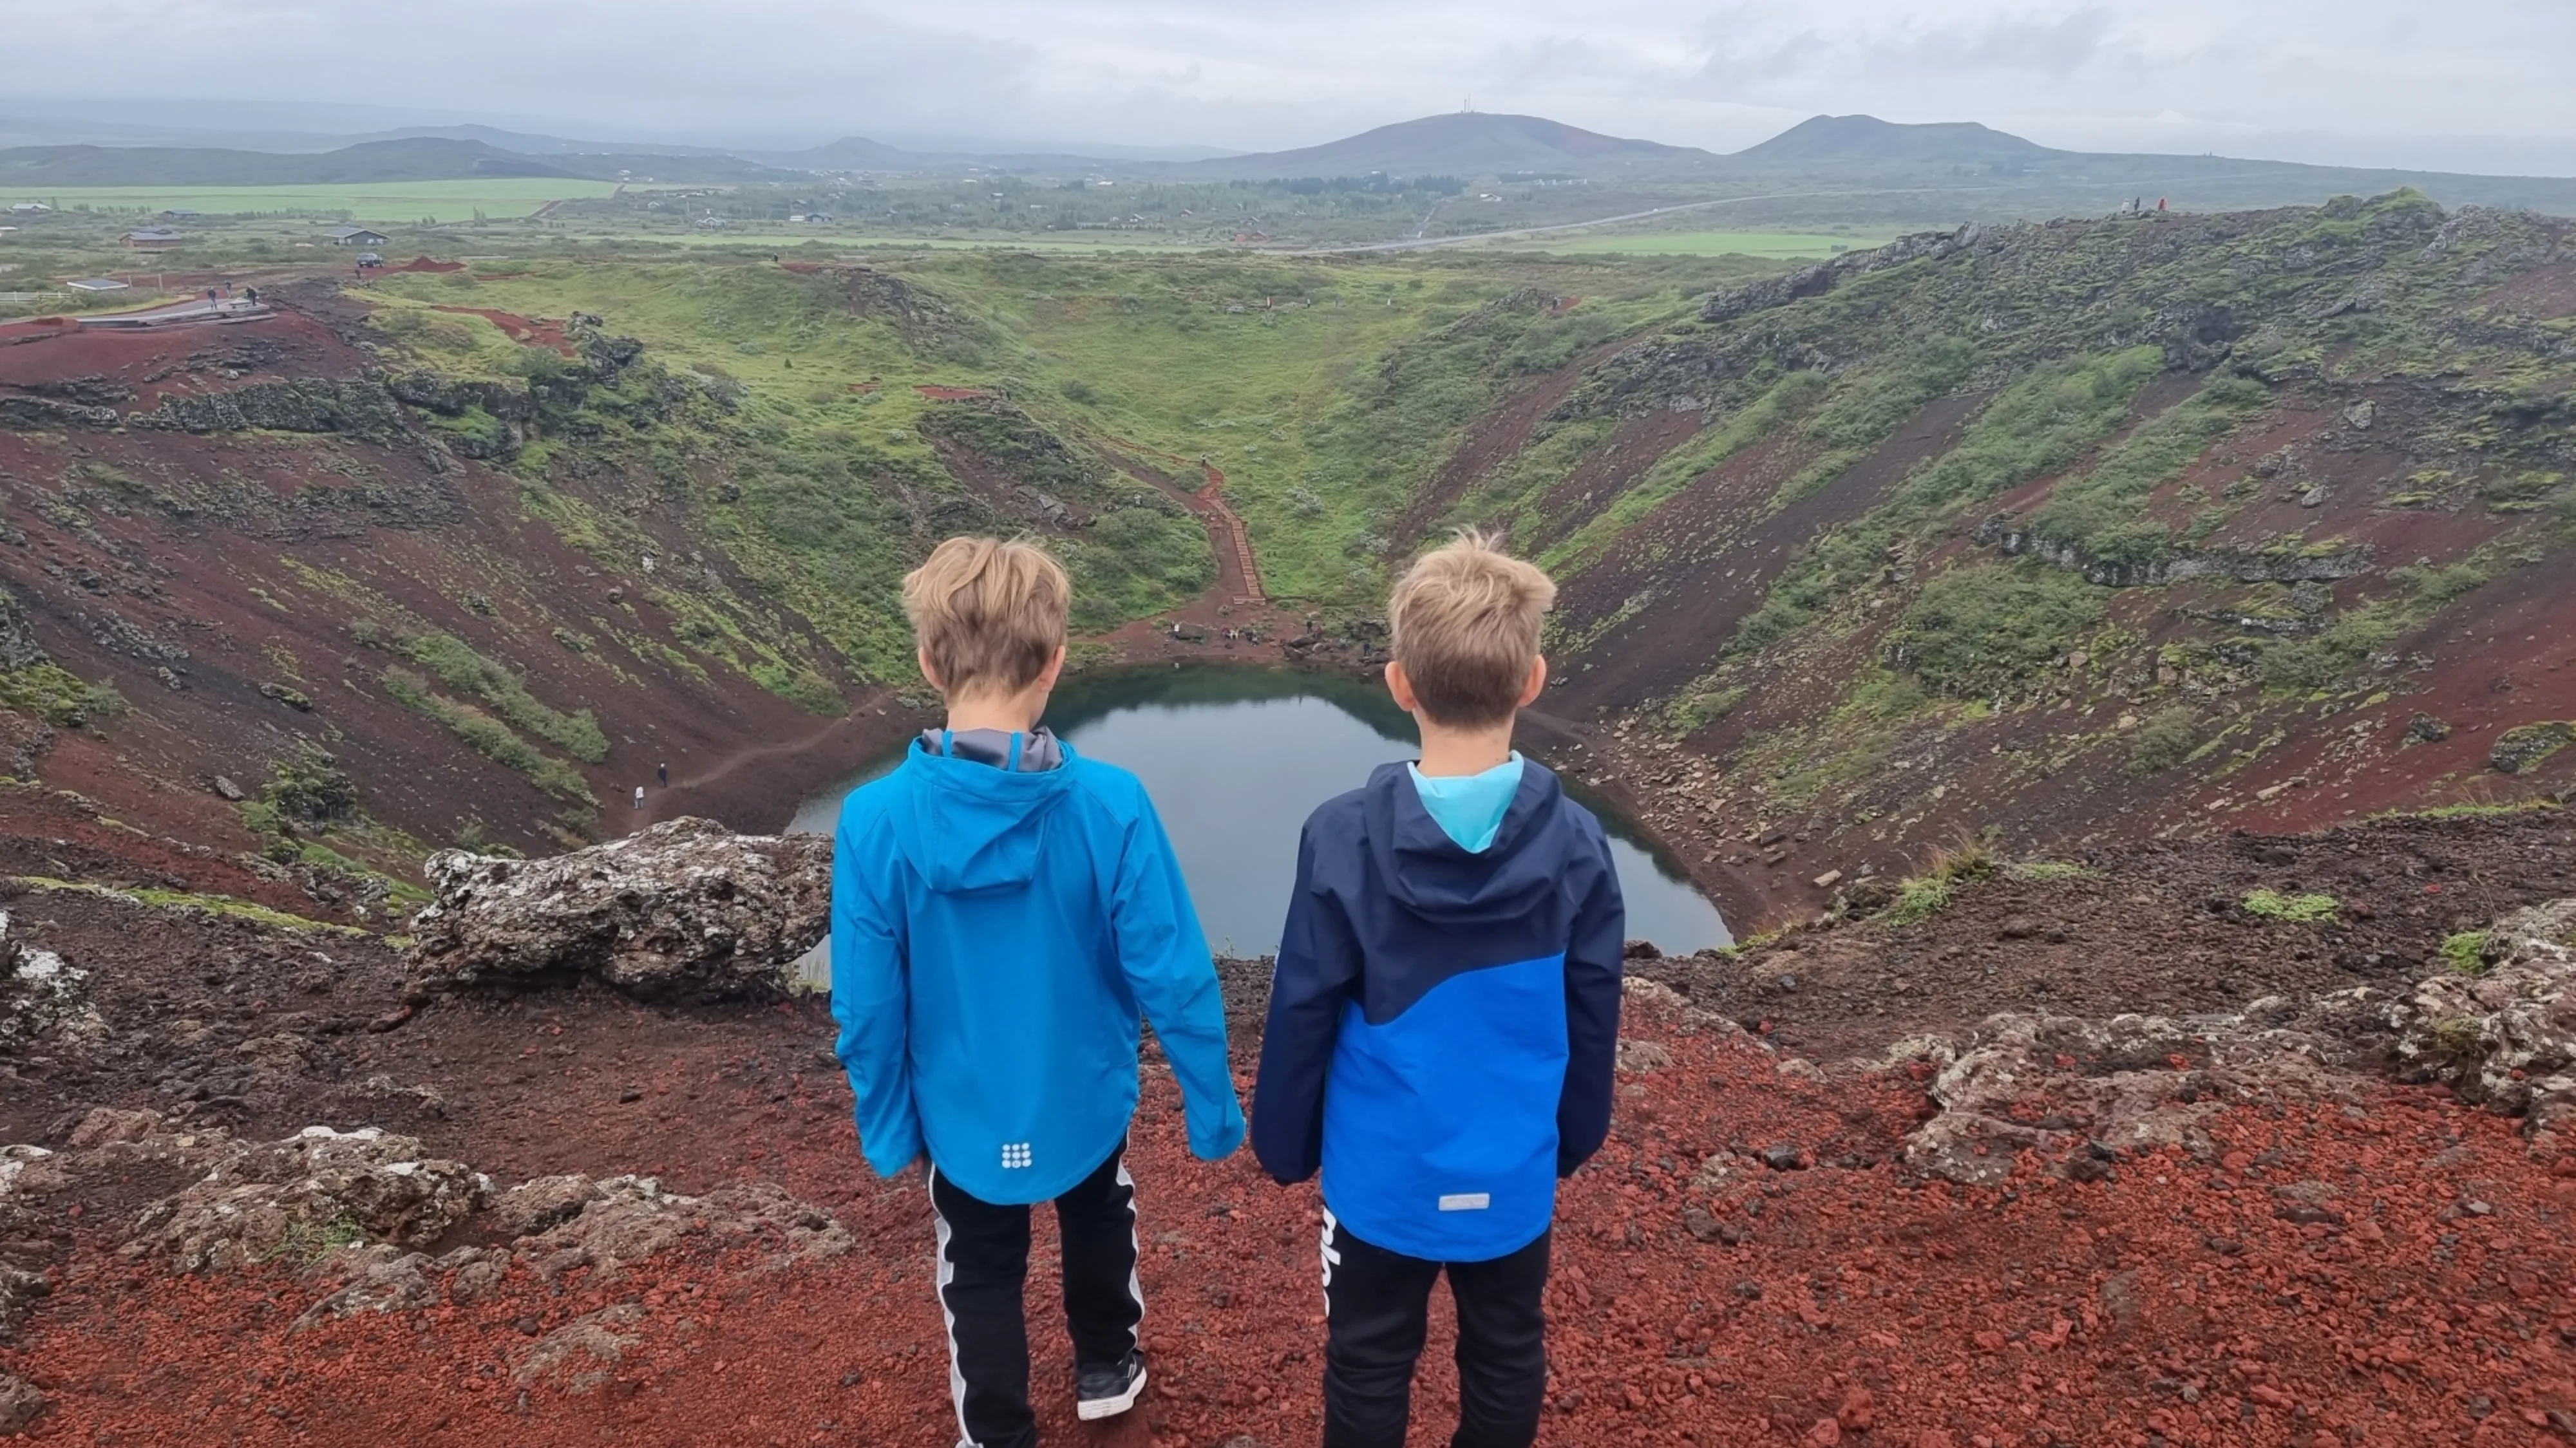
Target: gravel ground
2422,1300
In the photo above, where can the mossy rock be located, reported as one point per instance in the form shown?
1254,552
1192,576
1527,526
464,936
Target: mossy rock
2522,748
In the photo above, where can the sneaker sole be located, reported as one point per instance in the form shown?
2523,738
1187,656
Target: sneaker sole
1093,1409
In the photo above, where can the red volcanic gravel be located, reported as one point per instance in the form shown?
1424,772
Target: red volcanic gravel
2392,1273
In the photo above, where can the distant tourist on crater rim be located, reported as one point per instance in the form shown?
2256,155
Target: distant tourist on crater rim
1001,909
1444,1017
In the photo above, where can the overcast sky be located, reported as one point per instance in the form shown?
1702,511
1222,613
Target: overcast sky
2465,84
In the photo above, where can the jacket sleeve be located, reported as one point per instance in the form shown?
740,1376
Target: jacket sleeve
1165,957
1318,959
1592,993
870,1001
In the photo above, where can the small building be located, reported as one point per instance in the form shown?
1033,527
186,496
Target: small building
358,236
152,239
96,284
183,213
25,208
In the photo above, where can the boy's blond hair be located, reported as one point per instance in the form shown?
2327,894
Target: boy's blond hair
988,614
1466,618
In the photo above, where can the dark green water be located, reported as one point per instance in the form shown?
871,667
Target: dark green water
1236,758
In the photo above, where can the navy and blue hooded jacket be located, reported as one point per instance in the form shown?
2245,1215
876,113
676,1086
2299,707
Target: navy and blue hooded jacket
1443,1024
995,936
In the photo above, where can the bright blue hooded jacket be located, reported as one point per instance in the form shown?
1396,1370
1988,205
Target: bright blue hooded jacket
1443,1022
995,935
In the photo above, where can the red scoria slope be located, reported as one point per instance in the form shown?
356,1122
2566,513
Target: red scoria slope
2175,1302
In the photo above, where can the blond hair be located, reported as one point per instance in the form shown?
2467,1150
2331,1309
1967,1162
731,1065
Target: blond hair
989,615
1466,618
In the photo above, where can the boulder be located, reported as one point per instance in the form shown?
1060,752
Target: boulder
681,910
20,1404
2505,1035
2519,749
579,1356
631,1218
314,1191
2062,1085
43,995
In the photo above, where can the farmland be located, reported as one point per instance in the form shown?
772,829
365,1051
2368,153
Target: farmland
1782,245
383,202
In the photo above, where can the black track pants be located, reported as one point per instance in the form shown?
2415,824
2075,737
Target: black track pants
1378,1304
984,1258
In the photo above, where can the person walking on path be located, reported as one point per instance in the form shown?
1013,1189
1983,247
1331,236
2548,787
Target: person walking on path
1444,1017
1005,913
639,796
665,772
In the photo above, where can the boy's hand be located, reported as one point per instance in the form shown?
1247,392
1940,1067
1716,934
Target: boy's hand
1229,1135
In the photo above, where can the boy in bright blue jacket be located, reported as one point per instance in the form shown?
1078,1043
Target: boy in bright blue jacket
1002,911
1444,1016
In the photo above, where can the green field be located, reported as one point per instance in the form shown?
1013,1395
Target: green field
382,202
1776,244
859,241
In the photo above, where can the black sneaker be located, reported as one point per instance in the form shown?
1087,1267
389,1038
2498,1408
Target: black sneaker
1110,1391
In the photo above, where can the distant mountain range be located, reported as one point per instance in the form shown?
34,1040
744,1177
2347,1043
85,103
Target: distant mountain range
1861,154
424,158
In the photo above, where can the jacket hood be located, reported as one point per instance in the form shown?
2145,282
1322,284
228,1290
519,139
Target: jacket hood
971,827
1429,874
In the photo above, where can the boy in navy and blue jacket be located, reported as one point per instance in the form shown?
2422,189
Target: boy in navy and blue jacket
1444,1017
1002,912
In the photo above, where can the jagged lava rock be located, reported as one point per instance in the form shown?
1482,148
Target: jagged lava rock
684,909
2505,1036
259,1201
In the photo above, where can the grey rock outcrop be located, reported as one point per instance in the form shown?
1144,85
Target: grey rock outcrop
2503,1034
315,1189
627,1219
2229,565
2132,1083
20,1403
350,1212
355,409
2521,748
1815,281
44,414
2506,1035
684,909
18,646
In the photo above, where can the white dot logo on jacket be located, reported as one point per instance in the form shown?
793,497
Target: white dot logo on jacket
1015,1154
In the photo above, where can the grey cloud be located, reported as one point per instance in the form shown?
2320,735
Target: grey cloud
2479,76
1749,47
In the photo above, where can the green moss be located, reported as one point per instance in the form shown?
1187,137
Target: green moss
2038,426
2302,909
2466,952
2165,740
1920,899
487,736
2048,872
224,905
2099,513
459,667
801,687
57,696
1985,628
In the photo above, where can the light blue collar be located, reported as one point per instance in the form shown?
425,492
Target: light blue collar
1469,808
